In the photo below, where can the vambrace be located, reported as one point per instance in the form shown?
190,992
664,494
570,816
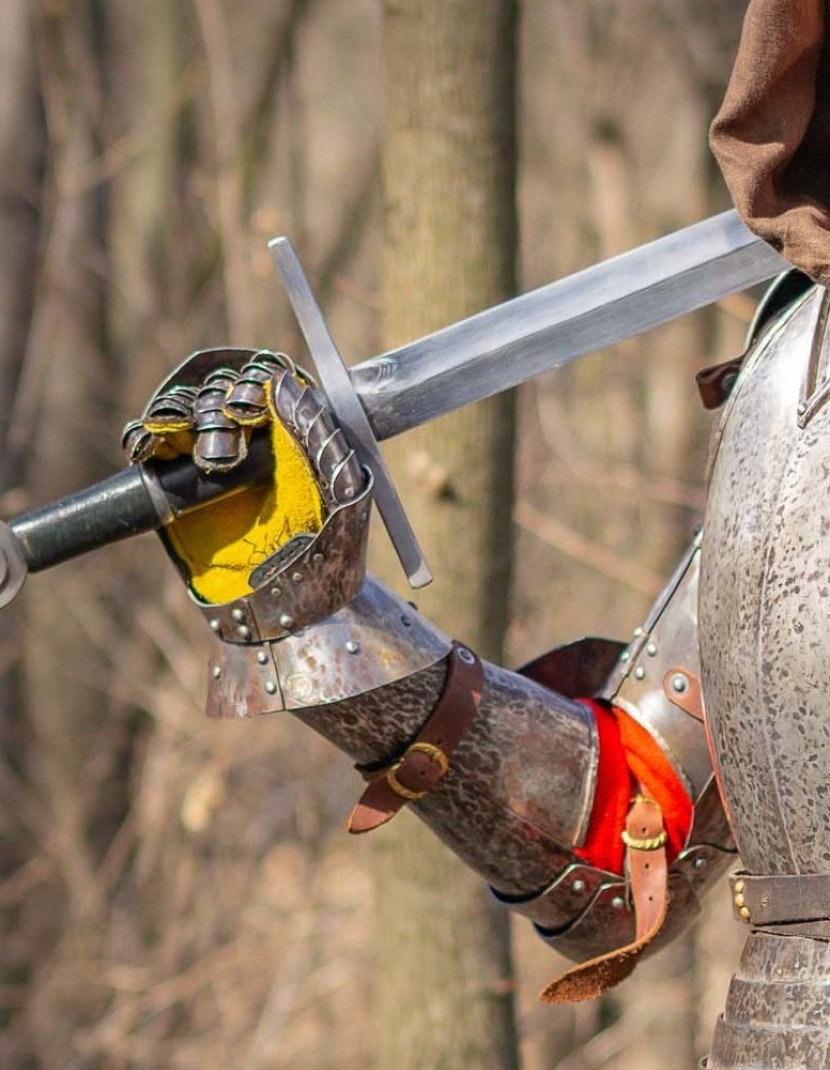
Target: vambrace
512,775
520,784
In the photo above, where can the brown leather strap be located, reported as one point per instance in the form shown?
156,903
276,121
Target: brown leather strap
645,838
427,759
782,900
715,384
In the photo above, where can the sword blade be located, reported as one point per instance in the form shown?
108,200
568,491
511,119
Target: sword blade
471,360
547,328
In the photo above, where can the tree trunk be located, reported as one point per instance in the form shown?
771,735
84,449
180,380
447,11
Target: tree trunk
443,974
625,434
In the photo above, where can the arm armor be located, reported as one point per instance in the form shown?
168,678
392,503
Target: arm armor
518,796
503,766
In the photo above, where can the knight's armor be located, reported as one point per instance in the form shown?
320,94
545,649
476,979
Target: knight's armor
511,769
764,602
521,788
507,768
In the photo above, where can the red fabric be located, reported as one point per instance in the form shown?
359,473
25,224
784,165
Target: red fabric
650,767
603,847
630,761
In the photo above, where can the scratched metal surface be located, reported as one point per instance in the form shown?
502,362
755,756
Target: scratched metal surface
765,600
777,1014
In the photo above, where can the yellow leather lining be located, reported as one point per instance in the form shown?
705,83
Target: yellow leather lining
221,544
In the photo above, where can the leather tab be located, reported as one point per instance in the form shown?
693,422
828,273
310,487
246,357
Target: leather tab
645,838
682,688
647,865
715,384
426,760
786,899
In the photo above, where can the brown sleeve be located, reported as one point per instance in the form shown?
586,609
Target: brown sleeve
772,134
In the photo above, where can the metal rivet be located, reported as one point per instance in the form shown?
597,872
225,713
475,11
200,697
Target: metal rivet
465,655
802,408
625,656
578,885
638,631
727,384
238,615
405,621
744,912
243,631
270,687
276,591
217,672
297,577
679,683
262,657
318,558
701,863
286,620
353,647
651,649
214,625
640,672
618,902
348,492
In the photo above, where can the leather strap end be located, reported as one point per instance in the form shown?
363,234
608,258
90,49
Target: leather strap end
785,900
648,873
592,979
365,818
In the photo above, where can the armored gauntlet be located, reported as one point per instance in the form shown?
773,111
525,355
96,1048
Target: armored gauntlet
275,557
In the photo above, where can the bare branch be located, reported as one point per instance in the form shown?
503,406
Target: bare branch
570,542
228,178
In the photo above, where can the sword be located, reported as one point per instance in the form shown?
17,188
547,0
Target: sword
476,358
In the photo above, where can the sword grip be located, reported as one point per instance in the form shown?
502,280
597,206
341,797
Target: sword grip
141,498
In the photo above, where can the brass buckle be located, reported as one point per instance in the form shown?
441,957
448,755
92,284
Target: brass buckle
653,843
434,753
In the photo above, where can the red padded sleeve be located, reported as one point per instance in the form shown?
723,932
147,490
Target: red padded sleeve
630,761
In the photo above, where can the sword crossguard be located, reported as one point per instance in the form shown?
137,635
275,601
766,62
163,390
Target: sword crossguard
345,404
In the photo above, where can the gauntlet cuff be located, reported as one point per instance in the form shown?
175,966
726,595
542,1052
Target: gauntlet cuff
375,640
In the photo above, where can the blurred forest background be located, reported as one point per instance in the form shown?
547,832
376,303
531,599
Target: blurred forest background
176,893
